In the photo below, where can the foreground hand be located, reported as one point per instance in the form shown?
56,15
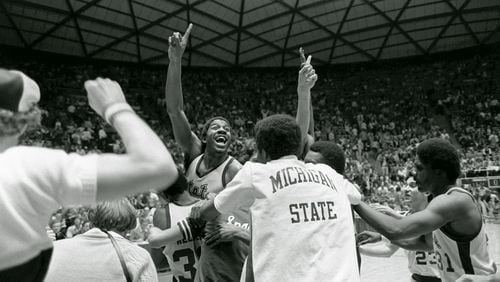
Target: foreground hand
177,44
223,233
196,211
302,57
367,237
102,93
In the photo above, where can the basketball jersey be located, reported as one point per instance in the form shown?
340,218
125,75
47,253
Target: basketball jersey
302,225
223,262
456,256
422,263
211,182
182,255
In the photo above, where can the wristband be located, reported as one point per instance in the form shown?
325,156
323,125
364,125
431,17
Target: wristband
114,109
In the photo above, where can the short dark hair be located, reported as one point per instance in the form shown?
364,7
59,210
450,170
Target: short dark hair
440,154
278,136
208,122
332,153
118,215
177,188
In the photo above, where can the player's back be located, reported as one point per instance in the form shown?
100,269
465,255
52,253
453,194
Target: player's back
302,226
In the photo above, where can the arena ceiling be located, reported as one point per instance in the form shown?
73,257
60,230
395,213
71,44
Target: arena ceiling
249,33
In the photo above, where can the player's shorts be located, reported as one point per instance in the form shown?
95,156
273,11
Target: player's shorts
420,278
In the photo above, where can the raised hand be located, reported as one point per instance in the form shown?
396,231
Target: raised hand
177,44
367,237
307,76
102,93
302,57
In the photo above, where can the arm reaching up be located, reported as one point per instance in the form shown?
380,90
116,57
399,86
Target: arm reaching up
307,79
147,163
190,144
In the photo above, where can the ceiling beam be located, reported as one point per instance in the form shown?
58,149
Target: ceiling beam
11,21
447,25
198,52
256,23
339,30
288,32
328,31
245,31
386,38
149,25
490,35
61,23
321,27
238,41
77,27
394,24
137,40
464,22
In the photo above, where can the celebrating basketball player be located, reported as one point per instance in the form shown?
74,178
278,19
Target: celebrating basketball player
210,169
300,212
451,224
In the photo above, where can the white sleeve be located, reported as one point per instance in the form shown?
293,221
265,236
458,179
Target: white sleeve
238,193
351,191
49,175
347,187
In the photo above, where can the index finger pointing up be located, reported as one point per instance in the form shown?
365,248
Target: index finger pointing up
188,32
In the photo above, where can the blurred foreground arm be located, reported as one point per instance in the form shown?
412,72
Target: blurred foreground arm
146,165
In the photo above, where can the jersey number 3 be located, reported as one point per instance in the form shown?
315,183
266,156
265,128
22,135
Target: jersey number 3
189,266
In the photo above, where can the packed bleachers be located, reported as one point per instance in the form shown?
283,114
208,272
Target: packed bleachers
377,112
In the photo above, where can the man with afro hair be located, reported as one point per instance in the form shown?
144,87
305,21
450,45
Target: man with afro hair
451,224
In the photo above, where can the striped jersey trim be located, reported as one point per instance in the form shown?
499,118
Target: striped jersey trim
185,229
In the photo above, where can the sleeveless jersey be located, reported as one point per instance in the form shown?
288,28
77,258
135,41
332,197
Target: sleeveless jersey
223,262
422,263
302,225
212,182
457,256
182,255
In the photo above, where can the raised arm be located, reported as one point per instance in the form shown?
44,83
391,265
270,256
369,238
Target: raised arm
306,80
173,95
147,163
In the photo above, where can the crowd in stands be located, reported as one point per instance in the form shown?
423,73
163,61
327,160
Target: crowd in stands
377,112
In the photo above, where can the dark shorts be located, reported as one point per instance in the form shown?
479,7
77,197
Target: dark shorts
421,278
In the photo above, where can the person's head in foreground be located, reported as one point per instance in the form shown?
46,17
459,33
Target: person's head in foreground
118,216
216,135
277,136
437,166
326,152
18,97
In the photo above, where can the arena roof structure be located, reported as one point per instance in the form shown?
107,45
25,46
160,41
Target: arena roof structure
249,33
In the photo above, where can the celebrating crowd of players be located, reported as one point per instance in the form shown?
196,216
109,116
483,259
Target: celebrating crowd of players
274,218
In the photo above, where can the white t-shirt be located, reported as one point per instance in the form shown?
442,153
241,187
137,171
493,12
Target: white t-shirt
34,182
302,226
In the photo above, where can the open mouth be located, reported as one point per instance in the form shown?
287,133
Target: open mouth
221,140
